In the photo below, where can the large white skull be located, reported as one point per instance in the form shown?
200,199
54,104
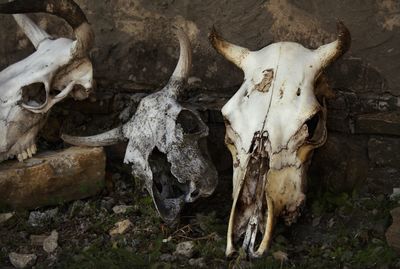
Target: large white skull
273,123
57,65
164,145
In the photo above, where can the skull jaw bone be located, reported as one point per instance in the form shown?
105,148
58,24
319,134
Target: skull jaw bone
259,201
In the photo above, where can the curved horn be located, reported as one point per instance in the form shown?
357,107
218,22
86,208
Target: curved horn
182,69
184,64
327,54
231,52
35,34
105,139
66,9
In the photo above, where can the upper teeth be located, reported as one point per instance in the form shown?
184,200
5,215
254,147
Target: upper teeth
25,154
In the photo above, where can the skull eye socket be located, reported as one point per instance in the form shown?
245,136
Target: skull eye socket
316,129
34,94
189,122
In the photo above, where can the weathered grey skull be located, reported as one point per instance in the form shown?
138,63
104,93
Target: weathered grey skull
273,123
162,127
57,65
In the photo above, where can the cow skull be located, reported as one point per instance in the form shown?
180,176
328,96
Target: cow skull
273,123
162,127
58,64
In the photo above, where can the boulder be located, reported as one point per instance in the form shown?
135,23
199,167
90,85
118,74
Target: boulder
52,178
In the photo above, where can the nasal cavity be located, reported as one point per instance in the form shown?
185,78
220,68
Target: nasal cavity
312,124
34,94
195,194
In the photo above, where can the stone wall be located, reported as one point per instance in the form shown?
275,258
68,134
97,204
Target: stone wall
135,52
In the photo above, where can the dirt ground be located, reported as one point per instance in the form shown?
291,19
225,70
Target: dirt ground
335,231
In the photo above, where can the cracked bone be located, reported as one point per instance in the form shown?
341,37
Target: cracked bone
163,146
57,65
273,123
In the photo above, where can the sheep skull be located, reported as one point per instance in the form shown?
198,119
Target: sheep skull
60,65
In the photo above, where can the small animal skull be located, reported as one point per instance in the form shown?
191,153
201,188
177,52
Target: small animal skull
162,127
273,123
58,64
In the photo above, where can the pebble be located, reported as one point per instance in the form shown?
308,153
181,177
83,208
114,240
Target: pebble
108,203
37,240
76,208
167,258
6,216
185,249
121,209
316,221
50,244
37,218
120,227
22,260
197,263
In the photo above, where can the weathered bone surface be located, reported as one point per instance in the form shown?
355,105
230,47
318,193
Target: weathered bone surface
26,87
273,123
164,145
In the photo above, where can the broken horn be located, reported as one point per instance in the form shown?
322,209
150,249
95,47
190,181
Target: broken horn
66,9
105,139
182,69
231,52
327,54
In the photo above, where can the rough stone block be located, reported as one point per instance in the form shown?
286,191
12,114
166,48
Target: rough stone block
51,178
384,151
393,233
342,163
379,123
382,180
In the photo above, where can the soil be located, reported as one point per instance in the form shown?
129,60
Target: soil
339,230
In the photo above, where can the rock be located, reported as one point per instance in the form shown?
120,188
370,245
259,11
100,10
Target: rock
383,151
76,208
396,194
37,240
120,227
6,216
393,232
87,210
22,260
341,163
382,180
121,209
197,263
52,178
316,221
107,203
37,218
185,249
50,244
378,123
167,257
